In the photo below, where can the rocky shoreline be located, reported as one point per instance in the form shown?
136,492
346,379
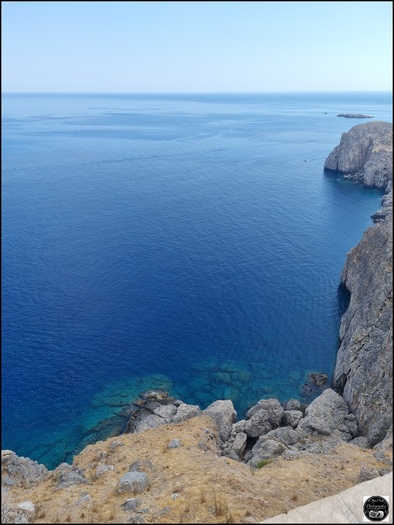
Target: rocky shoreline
355,410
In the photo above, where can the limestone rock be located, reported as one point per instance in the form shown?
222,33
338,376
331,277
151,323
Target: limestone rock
273,408
167,412
364,365
186,412
360,441
266,449
224,415
366,474
258,424
66,475
150,421
17,470
134,482
293,404
325,415
18,513
365,154
174,443
239,444
286,435
291,418
131,504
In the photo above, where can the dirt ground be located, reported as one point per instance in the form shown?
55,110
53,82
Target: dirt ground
191,483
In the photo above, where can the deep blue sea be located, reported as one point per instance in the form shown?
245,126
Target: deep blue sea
186,242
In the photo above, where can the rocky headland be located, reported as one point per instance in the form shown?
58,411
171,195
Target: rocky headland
364,155
177,463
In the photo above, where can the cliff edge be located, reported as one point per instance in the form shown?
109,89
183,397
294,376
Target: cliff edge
364,367
364,154
363,371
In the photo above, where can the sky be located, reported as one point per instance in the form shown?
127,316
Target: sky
147,47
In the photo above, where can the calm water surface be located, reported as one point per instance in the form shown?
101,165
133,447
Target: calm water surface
189,242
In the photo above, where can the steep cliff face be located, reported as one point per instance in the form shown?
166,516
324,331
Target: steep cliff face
364,154
364,367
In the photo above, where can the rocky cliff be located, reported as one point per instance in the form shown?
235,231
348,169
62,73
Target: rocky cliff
363,372
364,367
364,155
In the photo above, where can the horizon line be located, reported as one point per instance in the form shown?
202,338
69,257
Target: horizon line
187,92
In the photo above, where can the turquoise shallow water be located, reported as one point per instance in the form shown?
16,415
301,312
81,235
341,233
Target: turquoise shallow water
188,242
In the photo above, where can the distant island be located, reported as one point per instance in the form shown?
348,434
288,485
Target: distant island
354,115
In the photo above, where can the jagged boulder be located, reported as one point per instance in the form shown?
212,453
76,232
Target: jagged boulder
327,415
167,412
66,475
134,482
293,404
263,417
16,470
291,418
224,415
186,411
150,421
266,448
286,435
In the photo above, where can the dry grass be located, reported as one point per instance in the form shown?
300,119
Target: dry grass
210,488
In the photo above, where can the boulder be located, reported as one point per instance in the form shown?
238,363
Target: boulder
186,412
272,407
131,504
326,415
174,443
318,378
266,449
291,418
239,444
258,424
293,404
150,421
224,415
167,412
66,475
286,435
134,482
17,470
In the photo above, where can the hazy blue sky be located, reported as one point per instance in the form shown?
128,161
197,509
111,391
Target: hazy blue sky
196,46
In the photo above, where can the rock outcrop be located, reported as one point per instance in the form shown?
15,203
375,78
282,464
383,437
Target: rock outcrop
364,367
144,480
364,155
363,371
354,115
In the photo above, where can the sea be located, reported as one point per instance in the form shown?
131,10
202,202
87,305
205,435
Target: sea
185,242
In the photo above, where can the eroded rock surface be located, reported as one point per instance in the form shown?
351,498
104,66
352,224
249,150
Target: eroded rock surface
364,155
364,367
